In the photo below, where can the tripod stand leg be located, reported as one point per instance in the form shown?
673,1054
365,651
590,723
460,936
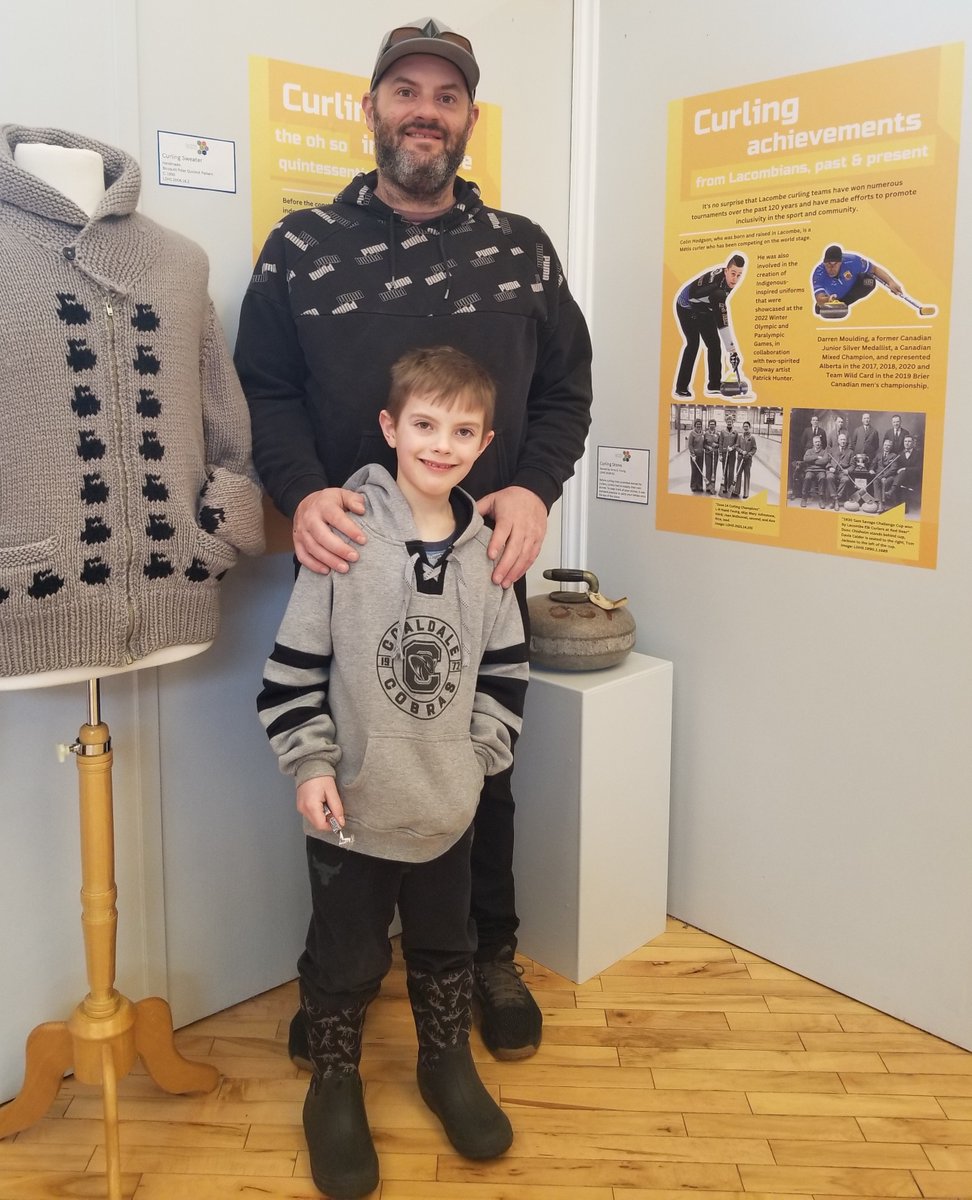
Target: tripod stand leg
109,1087
156,1048
48,1058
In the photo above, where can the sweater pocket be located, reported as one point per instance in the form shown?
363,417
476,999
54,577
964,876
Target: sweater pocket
415,786
31,555
30,572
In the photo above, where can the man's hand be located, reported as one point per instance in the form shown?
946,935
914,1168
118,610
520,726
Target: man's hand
312,797
318,520
520,520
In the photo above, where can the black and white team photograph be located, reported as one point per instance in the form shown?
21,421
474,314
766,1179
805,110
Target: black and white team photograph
855,461
728,451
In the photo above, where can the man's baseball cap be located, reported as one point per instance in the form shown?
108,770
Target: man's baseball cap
427,36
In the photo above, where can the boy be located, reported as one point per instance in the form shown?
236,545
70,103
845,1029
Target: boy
391,692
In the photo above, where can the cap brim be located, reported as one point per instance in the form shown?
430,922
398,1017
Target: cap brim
438,49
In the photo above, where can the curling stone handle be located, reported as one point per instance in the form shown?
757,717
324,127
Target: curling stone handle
568,575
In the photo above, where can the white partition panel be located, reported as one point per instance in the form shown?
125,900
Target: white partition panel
820,806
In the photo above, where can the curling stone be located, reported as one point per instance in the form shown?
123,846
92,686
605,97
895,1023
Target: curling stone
832,310
579,631
733,387
852,506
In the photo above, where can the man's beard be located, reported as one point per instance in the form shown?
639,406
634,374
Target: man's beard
420,177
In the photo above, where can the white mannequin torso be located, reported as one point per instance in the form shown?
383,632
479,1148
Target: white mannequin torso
79,175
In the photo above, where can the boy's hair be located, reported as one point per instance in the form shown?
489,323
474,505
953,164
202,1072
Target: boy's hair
442,374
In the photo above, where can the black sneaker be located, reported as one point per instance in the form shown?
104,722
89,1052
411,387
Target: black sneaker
510,1020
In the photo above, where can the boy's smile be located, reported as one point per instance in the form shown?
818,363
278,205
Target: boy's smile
436,445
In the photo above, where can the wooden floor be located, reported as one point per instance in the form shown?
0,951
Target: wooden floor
690,1066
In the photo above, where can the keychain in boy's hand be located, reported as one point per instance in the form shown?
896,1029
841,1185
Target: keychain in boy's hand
344,839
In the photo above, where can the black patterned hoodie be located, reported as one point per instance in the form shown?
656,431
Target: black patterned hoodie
403,679
126,483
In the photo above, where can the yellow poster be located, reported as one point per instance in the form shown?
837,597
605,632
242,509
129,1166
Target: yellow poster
806,303
308,140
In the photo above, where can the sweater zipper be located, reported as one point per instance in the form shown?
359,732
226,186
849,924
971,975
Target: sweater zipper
119,434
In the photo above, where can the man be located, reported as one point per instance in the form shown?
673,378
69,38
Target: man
696,450
812,431
908,479
409,256
885,480
865,440
815,463
702,309
728,440
840,483
897,433
848,278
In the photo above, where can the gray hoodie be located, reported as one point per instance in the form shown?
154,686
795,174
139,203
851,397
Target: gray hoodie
402,679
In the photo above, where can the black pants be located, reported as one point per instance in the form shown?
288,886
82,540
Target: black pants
493,890
863,286
699,327
728,471
696,481
347,953
711,461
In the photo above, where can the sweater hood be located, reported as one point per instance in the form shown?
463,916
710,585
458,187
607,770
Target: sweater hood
23,189
388,518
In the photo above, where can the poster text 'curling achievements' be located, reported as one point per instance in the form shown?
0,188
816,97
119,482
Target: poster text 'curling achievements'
806,304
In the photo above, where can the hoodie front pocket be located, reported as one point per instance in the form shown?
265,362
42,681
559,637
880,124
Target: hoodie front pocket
415,785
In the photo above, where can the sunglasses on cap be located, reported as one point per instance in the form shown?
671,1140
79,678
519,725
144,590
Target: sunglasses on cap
428,36
405,33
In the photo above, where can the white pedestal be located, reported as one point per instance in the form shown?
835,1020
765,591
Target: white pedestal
592,776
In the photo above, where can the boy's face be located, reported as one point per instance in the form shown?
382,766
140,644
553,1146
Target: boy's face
436,446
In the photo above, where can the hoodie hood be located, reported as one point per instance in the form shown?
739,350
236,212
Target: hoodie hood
467,205
360,193
388,518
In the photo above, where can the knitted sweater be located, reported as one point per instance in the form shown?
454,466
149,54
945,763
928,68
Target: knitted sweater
126,485
403,679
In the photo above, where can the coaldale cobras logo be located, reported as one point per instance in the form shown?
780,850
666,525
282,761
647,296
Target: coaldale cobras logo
425,679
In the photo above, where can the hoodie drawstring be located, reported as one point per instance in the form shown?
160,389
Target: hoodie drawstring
407,582
464,634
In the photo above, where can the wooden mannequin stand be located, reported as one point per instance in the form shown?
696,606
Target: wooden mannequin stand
106,1032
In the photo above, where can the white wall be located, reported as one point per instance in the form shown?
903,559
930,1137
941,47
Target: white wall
41,955
820,806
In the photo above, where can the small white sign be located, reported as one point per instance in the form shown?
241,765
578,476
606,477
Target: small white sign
188,161
622,474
